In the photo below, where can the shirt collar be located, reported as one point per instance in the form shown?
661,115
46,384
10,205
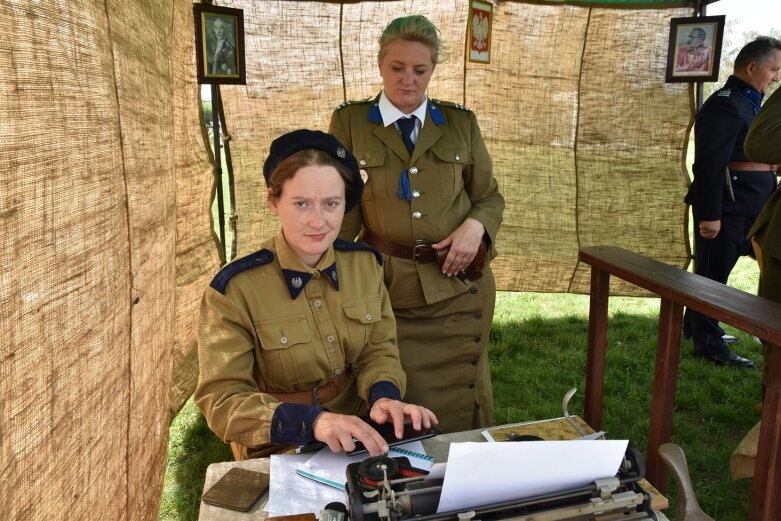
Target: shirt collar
390,113
296,273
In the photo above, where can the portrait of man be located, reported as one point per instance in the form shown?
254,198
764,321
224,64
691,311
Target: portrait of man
221,46
694,48
694,54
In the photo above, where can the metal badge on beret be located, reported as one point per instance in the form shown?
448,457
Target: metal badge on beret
341,153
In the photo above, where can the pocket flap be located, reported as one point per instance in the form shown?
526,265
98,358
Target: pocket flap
365,311
450,154
282,333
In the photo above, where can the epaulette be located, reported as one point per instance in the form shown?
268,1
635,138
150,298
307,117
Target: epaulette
342,245
353,102
449,104
259,258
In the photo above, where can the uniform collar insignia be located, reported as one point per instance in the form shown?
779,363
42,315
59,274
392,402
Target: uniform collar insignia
436,115
374,112
296,281
330,271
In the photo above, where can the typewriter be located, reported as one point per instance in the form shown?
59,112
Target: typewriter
390,489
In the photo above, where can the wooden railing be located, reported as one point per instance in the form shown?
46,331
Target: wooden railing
678,288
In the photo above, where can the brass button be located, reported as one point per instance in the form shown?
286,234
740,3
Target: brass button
338,372
318,303
413,170
368,316
363,162
283,340
417,215
458,158
330,339
415,193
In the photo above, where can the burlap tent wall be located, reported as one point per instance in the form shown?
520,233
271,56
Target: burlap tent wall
105,248
105,183
586,137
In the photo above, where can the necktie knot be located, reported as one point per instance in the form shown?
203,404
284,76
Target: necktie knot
406,126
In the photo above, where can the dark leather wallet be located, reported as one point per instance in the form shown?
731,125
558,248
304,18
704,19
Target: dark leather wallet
475,269
239,489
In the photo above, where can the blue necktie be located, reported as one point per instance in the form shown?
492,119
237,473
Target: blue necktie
406,126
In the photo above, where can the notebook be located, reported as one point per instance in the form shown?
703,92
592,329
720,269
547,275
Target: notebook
330,468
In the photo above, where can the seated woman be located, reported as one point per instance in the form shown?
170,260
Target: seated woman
298,338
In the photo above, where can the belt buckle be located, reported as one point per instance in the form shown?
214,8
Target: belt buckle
420,244
316,396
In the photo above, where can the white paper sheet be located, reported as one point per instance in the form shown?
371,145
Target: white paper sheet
289,493
479,474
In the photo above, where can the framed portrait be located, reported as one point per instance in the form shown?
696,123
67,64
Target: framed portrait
478,35
694,50
219,44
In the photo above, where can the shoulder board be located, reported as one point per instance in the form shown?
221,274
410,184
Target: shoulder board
725,93
259,258
353,102
449,104
342,245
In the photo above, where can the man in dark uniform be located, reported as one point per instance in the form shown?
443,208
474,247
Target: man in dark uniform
729,190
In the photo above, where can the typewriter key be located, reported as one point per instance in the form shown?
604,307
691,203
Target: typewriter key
374,469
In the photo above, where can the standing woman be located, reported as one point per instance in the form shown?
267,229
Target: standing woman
298,338
430,192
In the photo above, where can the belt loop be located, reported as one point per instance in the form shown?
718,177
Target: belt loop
316,396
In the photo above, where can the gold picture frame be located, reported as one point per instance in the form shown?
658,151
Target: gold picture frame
219,44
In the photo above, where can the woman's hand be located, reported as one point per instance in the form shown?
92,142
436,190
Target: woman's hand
464,243
339,431
397,412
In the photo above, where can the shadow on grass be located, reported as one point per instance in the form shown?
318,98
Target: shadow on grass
534,362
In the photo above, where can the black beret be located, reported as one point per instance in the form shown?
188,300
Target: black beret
288,144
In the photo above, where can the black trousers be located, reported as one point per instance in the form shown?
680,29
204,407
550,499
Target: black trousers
714,259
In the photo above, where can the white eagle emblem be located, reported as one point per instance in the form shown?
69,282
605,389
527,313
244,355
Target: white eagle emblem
364,176
296,282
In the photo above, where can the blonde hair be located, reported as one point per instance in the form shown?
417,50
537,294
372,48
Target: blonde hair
415,28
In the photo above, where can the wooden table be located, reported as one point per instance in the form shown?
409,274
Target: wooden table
437,447
678,288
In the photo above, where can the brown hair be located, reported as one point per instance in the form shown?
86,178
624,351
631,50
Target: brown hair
289,166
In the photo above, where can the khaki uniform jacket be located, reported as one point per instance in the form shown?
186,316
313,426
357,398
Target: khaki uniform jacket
763,141
253,338
451,179
763,144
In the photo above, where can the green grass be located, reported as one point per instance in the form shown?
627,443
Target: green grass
537,350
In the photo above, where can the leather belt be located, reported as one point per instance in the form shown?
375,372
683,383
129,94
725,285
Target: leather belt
419,253
317,395
750,166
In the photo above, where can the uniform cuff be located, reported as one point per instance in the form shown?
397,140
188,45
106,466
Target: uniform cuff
292,423
383,390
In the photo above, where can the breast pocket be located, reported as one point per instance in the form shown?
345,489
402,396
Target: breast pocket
452,161
372,163
361,315
287,350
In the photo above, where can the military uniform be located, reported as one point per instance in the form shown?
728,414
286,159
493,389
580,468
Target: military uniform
443,322
763,143
719,132
270,325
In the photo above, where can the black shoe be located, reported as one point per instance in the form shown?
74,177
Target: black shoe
726,357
